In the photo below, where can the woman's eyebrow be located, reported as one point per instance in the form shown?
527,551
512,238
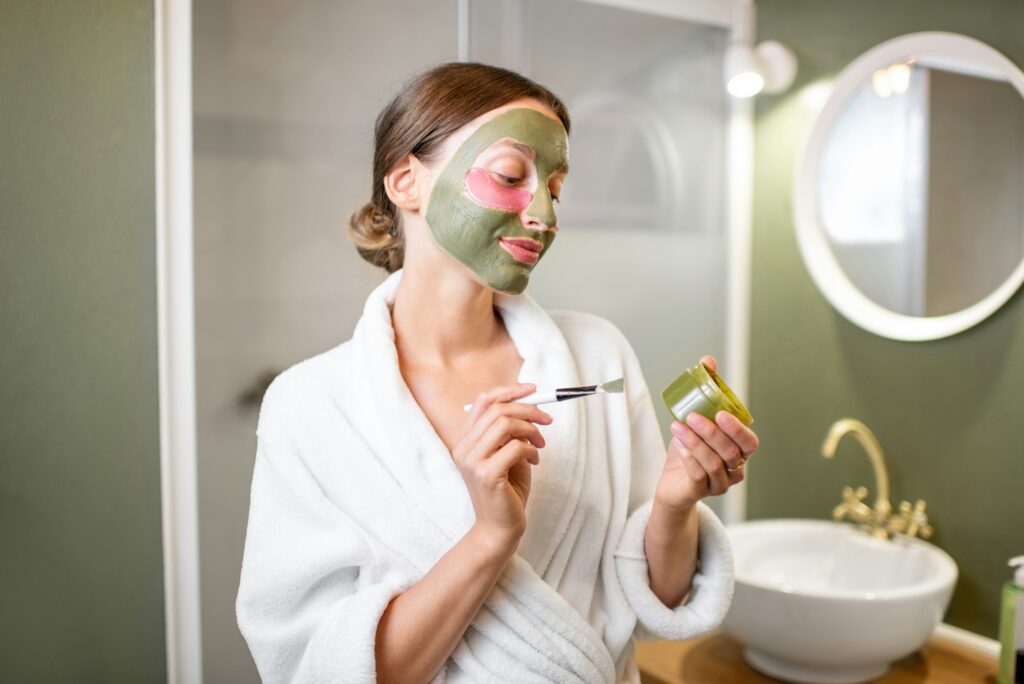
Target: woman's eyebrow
525,149
530,153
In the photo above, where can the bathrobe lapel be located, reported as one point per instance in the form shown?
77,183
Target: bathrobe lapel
421,462
436,511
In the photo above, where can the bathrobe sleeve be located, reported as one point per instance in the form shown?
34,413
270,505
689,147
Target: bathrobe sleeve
712,588
303,607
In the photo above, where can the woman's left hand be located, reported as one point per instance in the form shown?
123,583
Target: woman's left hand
705,458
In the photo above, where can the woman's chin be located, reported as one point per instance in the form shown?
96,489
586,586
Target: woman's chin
511,285
500,272
512,280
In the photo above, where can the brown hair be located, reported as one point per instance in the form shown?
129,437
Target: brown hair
429,108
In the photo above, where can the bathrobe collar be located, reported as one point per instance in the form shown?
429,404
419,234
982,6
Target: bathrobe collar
420,461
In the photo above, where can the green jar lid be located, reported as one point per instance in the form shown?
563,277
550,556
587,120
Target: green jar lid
729,398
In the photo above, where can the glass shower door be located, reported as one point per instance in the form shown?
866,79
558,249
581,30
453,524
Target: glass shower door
285,97
643,234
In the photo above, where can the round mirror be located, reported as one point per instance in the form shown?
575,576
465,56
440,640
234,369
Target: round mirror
909,195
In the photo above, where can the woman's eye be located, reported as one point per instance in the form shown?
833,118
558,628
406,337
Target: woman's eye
507,180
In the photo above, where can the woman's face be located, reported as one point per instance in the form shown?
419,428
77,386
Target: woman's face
492,204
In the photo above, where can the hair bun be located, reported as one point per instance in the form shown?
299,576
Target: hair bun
377,236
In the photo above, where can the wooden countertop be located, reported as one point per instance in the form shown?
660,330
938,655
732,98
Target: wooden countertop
717,659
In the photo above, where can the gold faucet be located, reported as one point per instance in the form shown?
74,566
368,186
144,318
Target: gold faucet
879,519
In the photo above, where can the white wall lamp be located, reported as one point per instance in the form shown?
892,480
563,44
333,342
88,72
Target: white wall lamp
770,67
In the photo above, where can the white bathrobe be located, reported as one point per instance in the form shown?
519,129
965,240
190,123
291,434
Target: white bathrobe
355,497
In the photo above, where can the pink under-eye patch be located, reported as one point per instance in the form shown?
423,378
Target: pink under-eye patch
490,193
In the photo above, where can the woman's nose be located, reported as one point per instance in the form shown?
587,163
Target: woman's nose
534,224
540,215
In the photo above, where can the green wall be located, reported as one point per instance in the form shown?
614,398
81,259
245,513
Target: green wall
81,588
948,413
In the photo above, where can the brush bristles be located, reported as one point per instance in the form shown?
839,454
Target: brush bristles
613,386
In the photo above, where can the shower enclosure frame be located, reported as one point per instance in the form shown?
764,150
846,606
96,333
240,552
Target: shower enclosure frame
175,302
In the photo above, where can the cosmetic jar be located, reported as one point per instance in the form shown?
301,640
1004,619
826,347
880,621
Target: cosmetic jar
700,389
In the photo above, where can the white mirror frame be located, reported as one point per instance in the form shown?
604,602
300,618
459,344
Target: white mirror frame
830,278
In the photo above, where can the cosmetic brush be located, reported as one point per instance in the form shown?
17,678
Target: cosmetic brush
563,393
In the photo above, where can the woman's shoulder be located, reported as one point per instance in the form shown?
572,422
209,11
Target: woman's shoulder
590,332
305,381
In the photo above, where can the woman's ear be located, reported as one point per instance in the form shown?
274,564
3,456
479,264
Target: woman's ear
402,183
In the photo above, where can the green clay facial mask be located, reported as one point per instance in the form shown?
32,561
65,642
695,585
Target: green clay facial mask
482,216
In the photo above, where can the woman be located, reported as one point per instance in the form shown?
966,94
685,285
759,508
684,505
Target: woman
394,537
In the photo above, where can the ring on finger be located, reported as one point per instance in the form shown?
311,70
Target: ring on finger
743,462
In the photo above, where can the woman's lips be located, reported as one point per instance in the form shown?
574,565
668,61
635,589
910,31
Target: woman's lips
522,249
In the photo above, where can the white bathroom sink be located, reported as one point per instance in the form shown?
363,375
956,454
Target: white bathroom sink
819,602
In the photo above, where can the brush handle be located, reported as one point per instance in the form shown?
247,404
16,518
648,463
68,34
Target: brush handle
535,398
549,396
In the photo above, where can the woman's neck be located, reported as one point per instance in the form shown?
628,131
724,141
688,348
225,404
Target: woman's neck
441,316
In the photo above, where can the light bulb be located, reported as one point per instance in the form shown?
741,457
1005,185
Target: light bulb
880,83
770,68
743,76
746,84
899,78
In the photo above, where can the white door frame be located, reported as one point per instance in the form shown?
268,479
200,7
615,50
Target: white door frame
176,327
176,339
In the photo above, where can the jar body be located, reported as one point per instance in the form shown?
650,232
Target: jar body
701,390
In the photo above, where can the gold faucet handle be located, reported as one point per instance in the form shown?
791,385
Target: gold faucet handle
853,497
911,520
853,505
919,521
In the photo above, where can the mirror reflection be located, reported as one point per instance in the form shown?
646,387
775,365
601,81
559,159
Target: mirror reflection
921,185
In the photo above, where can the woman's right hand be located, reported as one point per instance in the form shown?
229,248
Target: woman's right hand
494,454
